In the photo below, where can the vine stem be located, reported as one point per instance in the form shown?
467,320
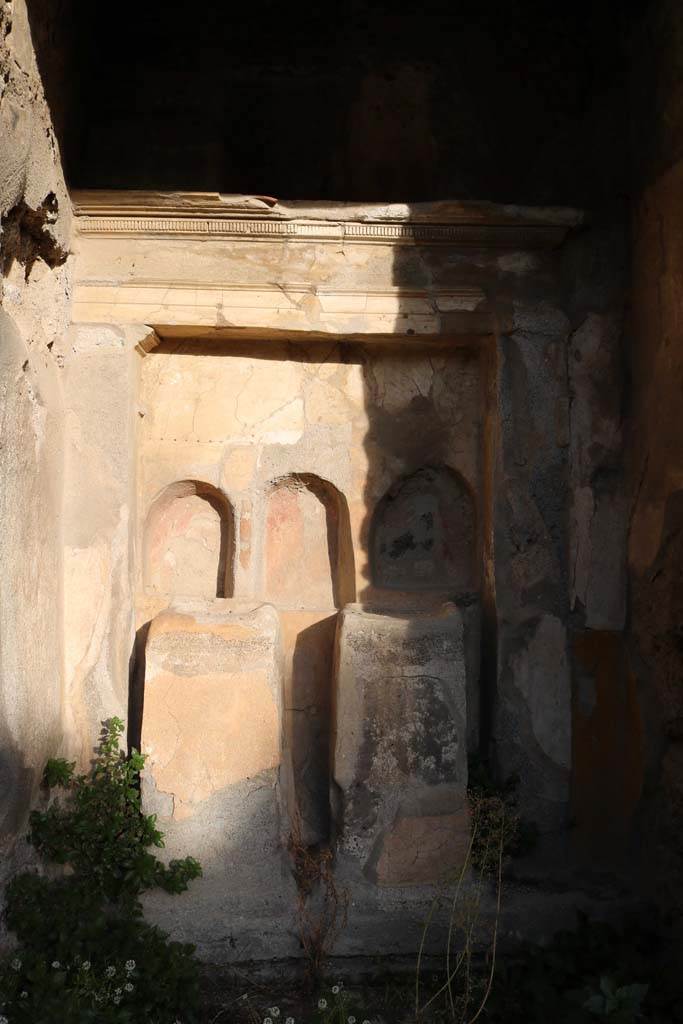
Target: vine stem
449,979
452,918
494,943
419,957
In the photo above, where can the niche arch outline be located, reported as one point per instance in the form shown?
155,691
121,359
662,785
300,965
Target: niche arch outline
339,545
221,583
424,533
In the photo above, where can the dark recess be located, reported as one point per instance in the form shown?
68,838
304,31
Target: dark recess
519,102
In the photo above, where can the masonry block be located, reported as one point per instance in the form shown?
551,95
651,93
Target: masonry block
400,760
212,725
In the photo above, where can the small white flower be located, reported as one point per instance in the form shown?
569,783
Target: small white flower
3,1020
366,1022
130,965
350,1020
23,995
116,1000
128,987
56,964
267,1020
117,991
110,972
16,964
275,1011
335,990
322,1004
289,1020
85,966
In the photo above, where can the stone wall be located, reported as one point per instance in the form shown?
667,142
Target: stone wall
35,297
100,375
364,414
297,446
284,428
213,732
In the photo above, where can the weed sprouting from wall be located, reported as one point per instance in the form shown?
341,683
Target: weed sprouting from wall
321,906
469,975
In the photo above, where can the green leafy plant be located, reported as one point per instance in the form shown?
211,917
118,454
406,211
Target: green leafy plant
85,952
621,1003
563,981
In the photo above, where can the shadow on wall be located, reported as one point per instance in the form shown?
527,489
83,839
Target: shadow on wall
308,724
422,534
136,688
422,466
406,688
424,510
17,785
309,572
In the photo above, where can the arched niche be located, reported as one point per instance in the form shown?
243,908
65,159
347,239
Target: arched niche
423,534
188,542
308,551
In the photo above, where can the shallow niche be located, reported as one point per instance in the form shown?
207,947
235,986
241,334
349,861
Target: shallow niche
308,553
424,535
188,543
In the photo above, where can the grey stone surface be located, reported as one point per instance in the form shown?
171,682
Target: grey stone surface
423,534
532,720
599,503
399,745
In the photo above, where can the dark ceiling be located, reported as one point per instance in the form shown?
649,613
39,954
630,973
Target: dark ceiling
517,102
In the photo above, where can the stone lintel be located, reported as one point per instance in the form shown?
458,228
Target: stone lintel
293,308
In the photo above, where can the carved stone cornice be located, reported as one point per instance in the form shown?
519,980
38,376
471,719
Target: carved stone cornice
255,218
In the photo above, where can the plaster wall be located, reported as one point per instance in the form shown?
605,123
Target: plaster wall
213,733
304,441
100,385
260,421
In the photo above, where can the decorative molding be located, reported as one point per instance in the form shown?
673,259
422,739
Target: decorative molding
496,236
250,218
